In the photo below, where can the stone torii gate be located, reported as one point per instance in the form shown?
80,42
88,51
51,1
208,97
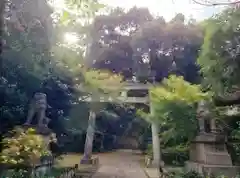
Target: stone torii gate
123,98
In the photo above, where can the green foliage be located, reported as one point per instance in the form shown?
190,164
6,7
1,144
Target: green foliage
15,174
219,55
174,107
136,32
103,81
24,60
192,174
195,174
177,89
37,58
23,147
149,150
174,104
54,173
175,155
80,8
234,145
219,61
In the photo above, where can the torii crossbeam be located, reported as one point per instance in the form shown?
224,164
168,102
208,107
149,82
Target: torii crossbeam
123,98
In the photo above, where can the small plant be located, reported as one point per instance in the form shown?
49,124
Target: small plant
192,174
149,150
23,147
15,174
235,145
183,174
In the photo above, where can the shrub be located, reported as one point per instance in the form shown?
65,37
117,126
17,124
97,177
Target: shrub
184,174
15,174
192,174
23,147
172,156
149,150
175,155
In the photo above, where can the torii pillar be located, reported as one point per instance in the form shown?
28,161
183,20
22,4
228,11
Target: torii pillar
87,157
157,159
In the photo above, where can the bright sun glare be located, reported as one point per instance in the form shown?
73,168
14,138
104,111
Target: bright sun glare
165,8
71,38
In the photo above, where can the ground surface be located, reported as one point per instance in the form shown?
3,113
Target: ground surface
69,160
120,164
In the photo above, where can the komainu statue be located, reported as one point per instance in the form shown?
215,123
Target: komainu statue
38,107
206,123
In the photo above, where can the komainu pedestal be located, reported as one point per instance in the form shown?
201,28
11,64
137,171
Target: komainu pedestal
208,152
208,155
209,149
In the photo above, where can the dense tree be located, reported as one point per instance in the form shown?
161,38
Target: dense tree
173,47
220,53
174,111
219,61
175,106
35,58
24,57
131,43
111,35
121,39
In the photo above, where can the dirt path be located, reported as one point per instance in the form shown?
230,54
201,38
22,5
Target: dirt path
120,165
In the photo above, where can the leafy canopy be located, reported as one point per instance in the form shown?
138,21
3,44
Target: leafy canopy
219,57
176,89
174,107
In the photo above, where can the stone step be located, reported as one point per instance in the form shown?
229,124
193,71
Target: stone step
86,173
79,173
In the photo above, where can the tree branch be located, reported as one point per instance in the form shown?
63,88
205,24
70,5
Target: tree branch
200,2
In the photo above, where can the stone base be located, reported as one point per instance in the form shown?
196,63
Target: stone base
43,130
210,138
155,165
91,161
149,163
210,149
216,170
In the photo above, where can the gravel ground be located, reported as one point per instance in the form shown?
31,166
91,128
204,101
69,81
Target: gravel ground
120,165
